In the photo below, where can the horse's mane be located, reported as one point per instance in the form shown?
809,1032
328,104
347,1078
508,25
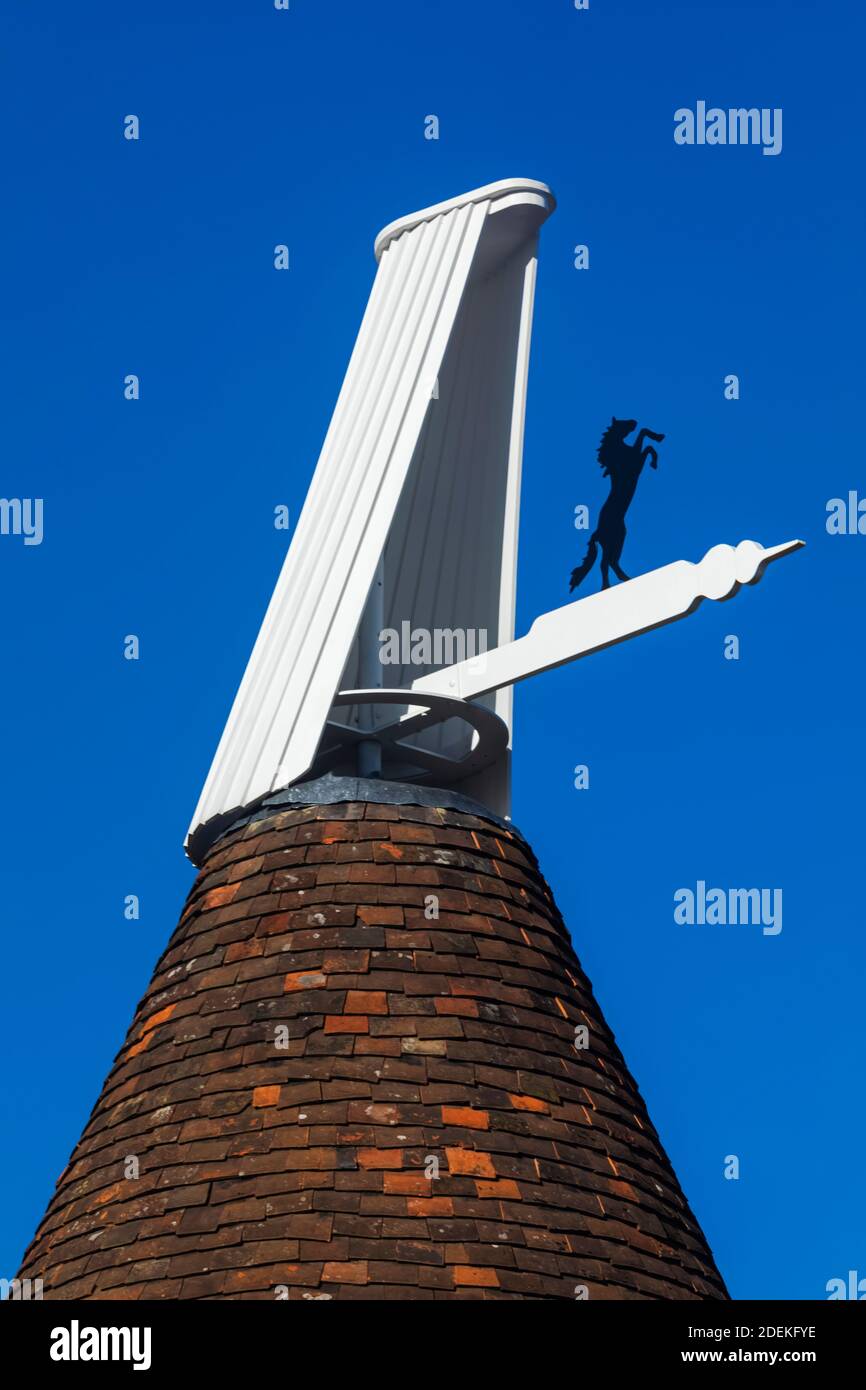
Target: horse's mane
607,448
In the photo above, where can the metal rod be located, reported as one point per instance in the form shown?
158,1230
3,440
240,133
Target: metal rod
370,670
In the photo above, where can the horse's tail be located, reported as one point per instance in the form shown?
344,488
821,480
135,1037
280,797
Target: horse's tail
579,574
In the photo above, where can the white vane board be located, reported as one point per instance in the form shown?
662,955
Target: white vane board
420,469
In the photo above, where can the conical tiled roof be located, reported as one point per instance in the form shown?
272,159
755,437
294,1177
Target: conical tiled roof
329,1090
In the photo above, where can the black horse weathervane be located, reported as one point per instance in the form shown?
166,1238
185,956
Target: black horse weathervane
623,464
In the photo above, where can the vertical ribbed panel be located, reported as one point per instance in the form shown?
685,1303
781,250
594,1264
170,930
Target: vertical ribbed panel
278,714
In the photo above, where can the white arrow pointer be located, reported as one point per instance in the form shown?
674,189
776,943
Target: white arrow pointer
602,619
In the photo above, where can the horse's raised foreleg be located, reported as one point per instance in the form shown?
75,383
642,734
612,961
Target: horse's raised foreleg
647,434
650,453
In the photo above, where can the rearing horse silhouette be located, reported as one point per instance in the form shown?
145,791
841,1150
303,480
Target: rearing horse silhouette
623,464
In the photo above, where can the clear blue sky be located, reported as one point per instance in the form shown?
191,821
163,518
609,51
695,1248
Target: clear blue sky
156,257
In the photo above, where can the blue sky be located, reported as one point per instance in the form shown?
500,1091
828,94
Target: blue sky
155,257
